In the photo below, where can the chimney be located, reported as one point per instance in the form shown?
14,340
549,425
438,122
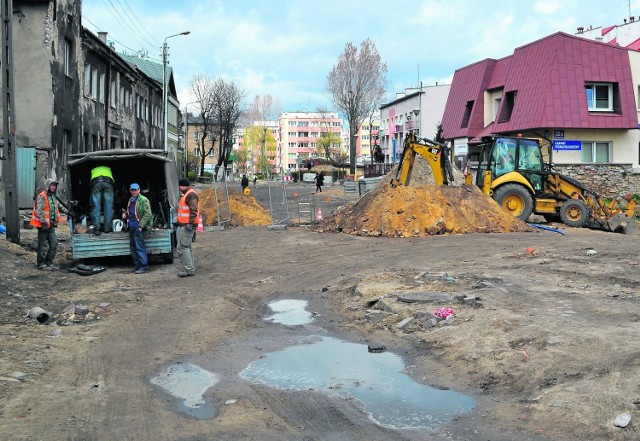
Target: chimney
632,18
103,37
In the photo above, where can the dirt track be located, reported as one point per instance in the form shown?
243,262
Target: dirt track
548,349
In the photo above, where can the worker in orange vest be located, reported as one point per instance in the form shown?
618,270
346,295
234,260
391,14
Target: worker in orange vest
187,220
45,217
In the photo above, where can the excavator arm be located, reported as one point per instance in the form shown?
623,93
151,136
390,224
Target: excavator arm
437,156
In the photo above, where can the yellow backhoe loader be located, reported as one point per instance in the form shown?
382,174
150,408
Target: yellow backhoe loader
513,172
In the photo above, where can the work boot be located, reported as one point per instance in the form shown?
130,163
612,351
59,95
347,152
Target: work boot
185,273
53,267
96,231
140,271
45,268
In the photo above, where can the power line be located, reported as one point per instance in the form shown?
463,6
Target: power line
134,26
84,17
145,29
125,26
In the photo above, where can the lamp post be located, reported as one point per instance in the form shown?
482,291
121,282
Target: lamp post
164,87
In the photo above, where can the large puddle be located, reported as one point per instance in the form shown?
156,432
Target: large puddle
290,312
188,383
391,397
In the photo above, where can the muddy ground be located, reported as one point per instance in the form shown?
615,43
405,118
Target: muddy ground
545,335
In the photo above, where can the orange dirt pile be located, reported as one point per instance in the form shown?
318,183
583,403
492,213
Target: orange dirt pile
245,211
422,209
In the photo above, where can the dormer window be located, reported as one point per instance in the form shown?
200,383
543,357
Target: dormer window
599,97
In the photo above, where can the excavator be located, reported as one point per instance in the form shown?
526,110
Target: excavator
513,171
436,154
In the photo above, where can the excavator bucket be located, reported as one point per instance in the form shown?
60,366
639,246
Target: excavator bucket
623,223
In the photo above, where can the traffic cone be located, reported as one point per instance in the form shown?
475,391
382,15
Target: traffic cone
200,226
319,214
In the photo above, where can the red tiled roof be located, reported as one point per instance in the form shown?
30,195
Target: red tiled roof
549,77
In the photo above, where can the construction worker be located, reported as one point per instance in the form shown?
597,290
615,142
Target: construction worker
139,219
45,217
102,198
187,220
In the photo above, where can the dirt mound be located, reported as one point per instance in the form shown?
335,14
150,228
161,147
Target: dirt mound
422,209
245,211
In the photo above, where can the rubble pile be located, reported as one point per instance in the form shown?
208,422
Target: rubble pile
245,211
422,209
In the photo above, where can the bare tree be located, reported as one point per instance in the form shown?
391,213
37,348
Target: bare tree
202,88
356,84
262,112
228,107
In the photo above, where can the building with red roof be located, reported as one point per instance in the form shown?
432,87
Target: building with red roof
561,87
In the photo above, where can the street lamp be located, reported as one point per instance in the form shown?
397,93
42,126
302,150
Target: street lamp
164,87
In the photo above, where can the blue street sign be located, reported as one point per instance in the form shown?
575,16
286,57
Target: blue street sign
567,145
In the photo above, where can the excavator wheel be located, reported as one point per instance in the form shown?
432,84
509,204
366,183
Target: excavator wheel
574,213
515,199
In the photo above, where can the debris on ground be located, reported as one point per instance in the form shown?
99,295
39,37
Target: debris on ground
422,209
245,211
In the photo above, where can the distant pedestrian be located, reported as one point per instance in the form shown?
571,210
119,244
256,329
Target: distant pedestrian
244,183
188,215
102,198
319,182
139,219
45,217
255,180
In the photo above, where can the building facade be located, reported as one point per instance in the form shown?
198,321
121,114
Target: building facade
74,93
299,134
416,109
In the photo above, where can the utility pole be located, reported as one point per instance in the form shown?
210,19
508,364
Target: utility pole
9,154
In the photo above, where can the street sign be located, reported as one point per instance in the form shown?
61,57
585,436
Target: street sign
567,145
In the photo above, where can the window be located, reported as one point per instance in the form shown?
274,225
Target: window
87,80
467,114
68,57
196,152
599,97
66,143
100,91
507,106
292,123
293,134
303,134
595,151
496,106
113,94
303,123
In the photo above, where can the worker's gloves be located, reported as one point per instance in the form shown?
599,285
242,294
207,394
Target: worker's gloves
188,227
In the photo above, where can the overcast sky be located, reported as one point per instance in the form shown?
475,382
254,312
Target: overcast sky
286,48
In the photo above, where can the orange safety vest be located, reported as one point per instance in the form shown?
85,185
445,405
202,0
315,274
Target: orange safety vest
135,211
184,212
47,212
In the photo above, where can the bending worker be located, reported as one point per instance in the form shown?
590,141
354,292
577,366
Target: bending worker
102,198
188,215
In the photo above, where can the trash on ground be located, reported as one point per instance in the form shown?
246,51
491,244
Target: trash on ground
443,312
87,270
622,420
40,315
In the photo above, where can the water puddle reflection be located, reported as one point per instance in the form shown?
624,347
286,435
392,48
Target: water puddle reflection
188,382
391,398
290,312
